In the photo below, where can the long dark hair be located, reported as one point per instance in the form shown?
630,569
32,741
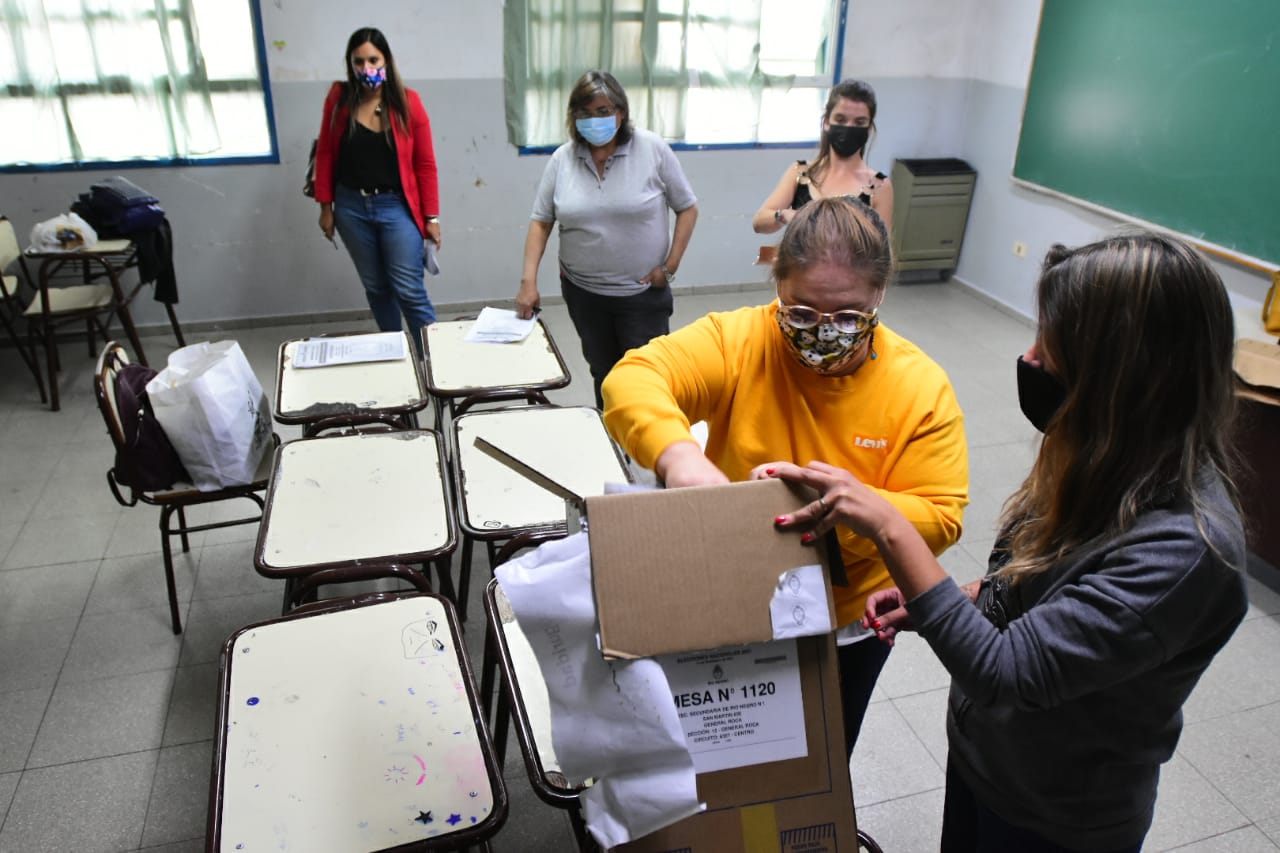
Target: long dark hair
1140,331
393,96
857,91
589,85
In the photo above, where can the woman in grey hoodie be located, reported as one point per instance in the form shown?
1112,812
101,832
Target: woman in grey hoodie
1115,579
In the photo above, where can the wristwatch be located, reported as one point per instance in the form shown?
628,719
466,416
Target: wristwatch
777,216
433,218
670,274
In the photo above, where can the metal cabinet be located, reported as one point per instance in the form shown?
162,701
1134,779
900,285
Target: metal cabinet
931,208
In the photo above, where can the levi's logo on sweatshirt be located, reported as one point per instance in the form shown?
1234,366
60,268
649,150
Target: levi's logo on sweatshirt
870,443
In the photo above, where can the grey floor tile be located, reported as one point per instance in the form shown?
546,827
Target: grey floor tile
211,621
912,668
19,496
193,707
1263,600
33,652
1246,840
904,825
111,716
8,784
532,826
241,508
8,535
1189,809
44,542
70,496
1271,828
45,592
88,461
25,462
111,644
961,565
138,532
926,714
227,569
20,714
889,761
1245,674
87,807
1240,756
179,794
193,845
137,582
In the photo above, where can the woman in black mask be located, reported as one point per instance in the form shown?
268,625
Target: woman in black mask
839,170
1116,573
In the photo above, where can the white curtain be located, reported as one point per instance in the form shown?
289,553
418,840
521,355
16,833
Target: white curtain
104,80
672,56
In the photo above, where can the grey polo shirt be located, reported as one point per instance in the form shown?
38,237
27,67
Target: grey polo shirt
613,230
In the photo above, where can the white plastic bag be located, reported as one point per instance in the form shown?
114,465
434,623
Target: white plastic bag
214,412
66,232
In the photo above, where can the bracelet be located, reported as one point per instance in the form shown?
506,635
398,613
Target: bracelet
670,274
777,216
433,219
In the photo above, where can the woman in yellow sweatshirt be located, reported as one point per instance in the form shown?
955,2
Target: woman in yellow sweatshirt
811,376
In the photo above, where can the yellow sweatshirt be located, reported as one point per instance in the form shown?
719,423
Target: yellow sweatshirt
894,423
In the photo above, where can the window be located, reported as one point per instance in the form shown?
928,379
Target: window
131,82
702,73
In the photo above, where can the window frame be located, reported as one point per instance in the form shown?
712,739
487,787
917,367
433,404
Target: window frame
837,66
273,156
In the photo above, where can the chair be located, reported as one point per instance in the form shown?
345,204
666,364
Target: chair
11,302
175,500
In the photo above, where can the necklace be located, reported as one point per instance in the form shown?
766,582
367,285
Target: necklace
378,109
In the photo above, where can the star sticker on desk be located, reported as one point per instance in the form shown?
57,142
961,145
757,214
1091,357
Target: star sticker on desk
424,817
454,819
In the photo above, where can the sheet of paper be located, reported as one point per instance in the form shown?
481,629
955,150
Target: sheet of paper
611,721
739,705
499,326
799,604
322,352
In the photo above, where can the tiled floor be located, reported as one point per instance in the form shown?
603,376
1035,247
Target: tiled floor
106,718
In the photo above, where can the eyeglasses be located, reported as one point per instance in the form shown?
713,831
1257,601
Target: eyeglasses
602,112
849,321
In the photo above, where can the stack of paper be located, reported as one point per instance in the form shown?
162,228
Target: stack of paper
499,326
321,352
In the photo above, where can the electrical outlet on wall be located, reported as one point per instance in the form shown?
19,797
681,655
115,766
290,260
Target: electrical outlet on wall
1020,248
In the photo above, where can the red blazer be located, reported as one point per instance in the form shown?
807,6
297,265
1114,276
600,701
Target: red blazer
414,151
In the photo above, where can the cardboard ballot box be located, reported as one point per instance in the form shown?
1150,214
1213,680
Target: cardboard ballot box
1257,440
694,575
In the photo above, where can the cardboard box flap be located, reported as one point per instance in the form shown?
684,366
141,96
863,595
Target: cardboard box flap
686,569
1257,363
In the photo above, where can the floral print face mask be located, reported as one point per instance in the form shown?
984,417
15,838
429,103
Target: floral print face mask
823,348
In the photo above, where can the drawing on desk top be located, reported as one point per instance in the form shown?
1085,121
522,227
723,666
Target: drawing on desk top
419,640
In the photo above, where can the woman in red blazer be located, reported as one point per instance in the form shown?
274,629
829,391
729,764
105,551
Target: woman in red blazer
376,181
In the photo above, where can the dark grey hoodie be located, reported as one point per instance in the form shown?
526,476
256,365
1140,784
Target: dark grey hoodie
1060,722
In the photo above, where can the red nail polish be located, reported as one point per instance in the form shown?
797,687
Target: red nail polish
875,623
782,519
807,538
769,471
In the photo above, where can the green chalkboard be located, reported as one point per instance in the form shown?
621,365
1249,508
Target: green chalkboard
1163,110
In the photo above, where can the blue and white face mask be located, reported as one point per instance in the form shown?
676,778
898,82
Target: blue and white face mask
372,78
597,130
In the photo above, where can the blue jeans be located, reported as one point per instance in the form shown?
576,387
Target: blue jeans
387,249
970,827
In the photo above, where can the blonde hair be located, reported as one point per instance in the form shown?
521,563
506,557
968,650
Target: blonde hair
838,230
1140,332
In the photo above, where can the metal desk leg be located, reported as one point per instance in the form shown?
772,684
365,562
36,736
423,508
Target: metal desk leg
122,308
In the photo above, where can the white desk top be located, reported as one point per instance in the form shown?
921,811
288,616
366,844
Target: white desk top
369,497
569,445
530,684
455,366
317,392
345,729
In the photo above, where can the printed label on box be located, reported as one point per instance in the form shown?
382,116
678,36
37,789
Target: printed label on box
739,705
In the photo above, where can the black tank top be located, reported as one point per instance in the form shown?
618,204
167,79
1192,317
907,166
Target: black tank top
367,160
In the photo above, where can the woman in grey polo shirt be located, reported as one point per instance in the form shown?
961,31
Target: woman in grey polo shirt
610,187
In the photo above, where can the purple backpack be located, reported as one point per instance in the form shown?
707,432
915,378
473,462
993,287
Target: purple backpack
147,462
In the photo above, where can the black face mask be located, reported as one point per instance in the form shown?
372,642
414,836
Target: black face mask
1040,394
846,139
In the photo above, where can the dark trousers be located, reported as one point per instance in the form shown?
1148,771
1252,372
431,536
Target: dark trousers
611,325
970,827
860,664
